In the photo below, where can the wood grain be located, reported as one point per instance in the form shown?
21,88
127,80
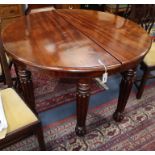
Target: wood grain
49,42
122,38
74,40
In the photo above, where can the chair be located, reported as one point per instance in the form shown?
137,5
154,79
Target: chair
22,122
2,75
125,11
144,15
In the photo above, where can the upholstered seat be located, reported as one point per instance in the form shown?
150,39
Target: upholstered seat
17,113
149,59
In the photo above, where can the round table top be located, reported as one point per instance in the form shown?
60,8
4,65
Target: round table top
75,40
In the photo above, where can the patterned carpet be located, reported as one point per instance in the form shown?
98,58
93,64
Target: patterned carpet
51,92
136,132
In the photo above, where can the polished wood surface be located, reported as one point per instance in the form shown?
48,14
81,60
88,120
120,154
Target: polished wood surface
126,84
8,12
76,43
118,36
58,41
83,94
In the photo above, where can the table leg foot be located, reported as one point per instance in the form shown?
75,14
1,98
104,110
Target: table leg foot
80,131
118,116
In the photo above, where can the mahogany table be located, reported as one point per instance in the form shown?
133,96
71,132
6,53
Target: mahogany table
72,44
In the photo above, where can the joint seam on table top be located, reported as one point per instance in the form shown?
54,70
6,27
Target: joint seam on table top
86,35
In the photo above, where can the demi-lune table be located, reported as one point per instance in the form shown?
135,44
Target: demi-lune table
78,44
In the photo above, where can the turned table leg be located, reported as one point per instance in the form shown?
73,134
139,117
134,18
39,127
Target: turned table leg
27,86
82,102
128,78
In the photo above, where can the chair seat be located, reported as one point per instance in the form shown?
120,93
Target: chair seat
149,59
17,112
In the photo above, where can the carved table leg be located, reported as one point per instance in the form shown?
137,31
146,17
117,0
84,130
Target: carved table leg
128,78
83,94
27,86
